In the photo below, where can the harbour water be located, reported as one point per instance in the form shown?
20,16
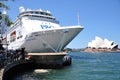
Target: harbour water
85,66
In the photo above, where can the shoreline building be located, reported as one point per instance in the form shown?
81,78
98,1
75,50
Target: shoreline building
99,43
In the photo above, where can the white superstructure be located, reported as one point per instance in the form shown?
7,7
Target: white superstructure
39,31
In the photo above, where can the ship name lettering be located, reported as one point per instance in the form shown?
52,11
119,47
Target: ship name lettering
46,26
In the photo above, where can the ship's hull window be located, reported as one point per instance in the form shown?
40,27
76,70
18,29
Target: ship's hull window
13,36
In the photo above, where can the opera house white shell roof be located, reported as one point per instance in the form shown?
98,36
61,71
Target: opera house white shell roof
102,43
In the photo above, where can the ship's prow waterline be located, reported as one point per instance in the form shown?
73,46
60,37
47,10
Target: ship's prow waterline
38,31
53,40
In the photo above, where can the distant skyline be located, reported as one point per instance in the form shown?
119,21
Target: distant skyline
99,17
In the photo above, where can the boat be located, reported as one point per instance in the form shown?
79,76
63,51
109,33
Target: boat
38,31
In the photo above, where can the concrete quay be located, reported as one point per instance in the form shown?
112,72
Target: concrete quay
1,73
50,60
31,61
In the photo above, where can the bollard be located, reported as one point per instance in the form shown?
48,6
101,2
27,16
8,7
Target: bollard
23,53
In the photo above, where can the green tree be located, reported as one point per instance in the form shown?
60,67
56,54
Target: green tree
4,6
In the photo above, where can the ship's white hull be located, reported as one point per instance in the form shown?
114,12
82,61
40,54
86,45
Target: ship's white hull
53,40
38,31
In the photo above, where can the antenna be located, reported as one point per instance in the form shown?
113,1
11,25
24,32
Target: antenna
78,16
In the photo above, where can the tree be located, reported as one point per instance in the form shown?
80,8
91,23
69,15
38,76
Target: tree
2,5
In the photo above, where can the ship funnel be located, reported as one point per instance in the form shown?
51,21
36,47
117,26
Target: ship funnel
21,9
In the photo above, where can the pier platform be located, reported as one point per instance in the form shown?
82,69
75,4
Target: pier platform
48,60
34,61
1,73
45,54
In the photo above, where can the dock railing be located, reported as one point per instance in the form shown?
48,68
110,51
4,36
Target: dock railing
11,56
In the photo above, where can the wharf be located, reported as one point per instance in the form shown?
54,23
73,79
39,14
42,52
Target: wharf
45,54
1,73
50,60
33,61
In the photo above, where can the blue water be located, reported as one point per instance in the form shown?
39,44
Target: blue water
85,66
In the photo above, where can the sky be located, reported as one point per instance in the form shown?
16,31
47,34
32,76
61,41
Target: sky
98,17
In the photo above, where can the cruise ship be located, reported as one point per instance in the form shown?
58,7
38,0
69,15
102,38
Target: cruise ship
38,31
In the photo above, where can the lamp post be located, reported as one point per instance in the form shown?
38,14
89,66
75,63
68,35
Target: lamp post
4,31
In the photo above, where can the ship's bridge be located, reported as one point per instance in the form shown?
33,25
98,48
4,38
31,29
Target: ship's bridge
38,14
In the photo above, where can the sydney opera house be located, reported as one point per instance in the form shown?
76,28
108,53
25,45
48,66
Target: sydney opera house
99,43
